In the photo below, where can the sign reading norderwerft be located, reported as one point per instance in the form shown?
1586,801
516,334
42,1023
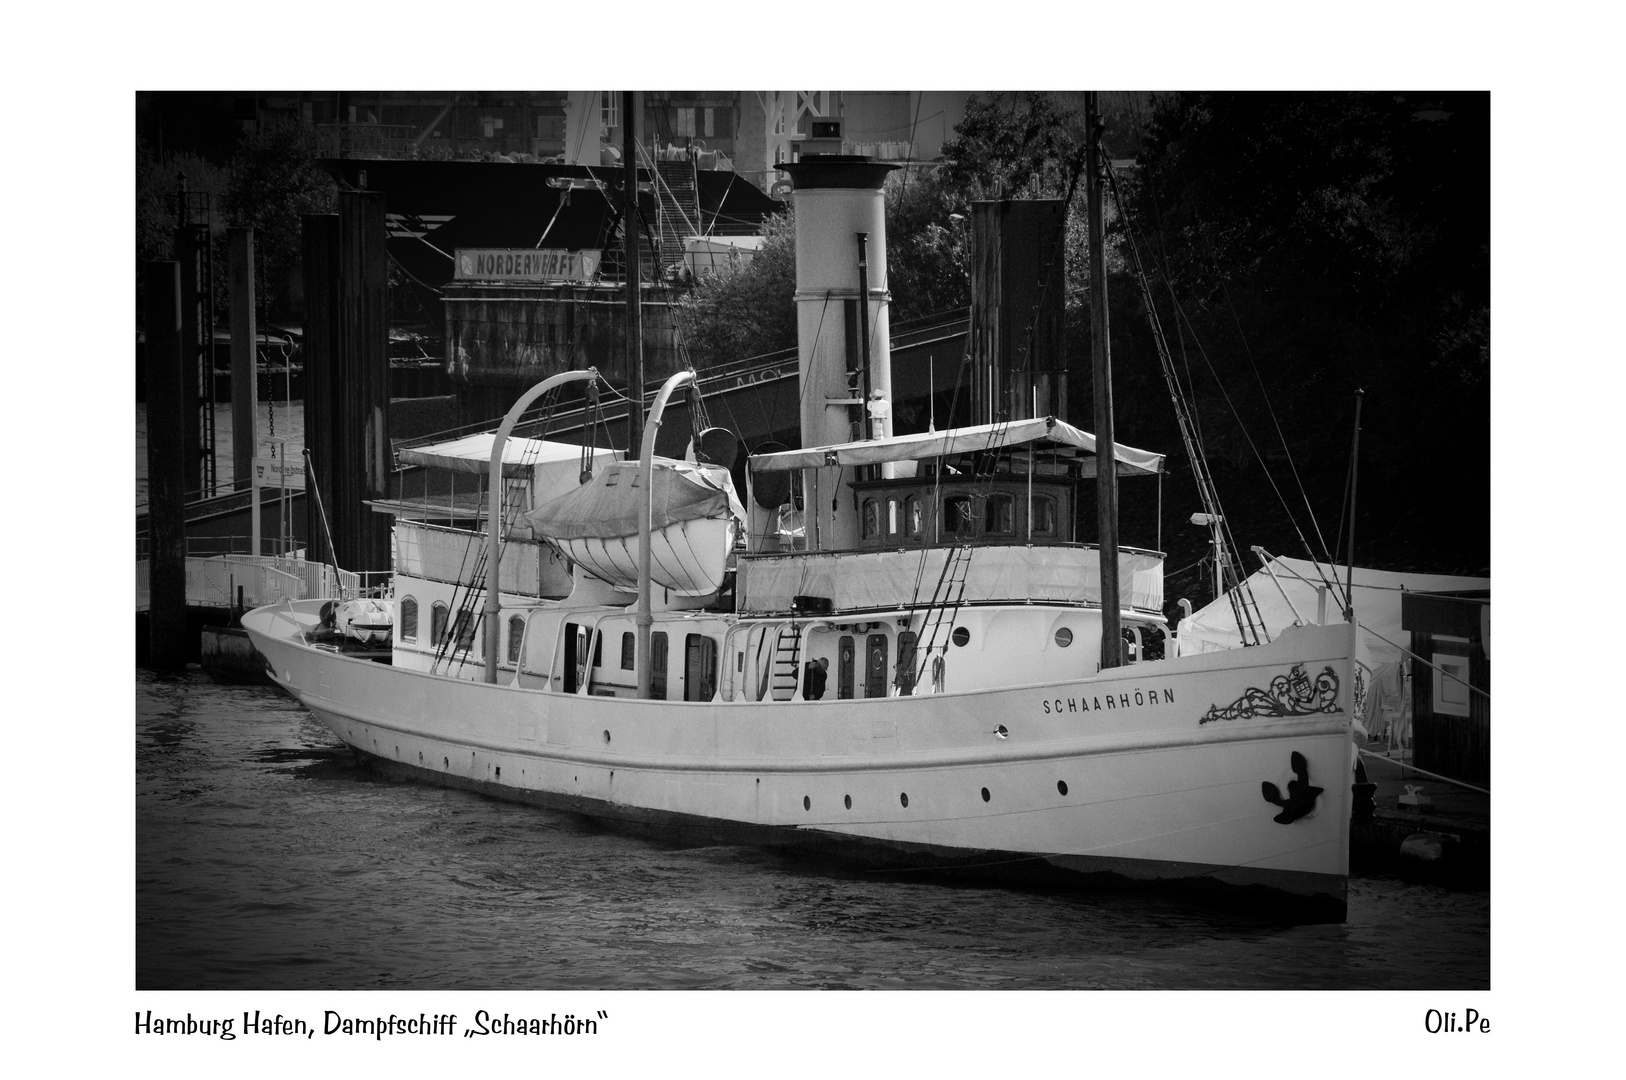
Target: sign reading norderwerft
525,264
280,472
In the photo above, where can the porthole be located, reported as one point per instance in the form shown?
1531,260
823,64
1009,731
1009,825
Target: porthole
985,795
499,772
904,798
848,799
807,803
1064,636
606,735
446,762
961,636
1061,786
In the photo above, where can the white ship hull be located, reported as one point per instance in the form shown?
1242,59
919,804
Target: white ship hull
1153,772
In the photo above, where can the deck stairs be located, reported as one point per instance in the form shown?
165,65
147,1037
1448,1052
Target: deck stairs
786,657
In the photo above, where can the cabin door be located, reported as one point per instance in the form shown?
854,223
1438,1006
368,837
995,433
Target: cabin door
699,668
844,667
875,670
574,648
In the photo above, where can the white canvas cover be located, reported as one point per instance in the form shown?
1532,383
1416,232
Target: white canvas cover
521,458
607,506
1377,609
1377,604
968,440
859,581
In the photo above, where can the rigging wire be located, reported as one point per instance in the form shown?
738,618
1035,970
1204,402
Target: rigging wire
1240,595
1181,314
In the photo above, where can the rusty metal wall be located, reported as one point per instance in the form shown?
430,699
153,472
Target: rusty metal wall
518,335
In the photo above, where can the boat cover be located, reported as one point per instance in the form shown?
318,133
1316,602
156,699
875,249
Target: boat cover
967,440
607,507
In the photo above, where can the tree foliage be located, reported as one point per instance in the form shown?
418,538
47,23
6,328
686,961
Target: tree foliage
275,179
747,309
1317,244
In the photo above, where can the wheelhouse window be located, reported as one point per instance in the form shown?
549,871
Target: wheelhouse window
409,619
437,623
999,516
516,636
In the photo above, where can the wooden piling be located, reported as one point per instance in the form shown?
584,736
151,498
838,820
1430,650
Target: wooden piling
320,237
244,383
347,378
166,464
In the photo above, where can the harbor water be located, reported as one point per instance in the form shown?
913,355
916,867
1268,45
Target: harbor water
268,858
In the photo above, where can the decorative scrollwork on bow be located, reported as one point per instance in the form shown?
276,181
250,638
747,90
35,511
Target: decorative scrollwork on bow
1293,694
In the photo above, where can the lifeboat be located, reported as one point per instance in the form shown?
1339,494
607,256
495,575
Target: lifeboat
695,519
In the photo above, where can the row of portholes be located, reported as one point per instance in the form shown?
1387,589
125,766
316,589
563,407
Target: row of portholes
903,797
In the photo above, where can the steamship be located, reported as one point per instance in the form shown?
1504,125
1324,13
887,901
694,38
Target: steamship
889,651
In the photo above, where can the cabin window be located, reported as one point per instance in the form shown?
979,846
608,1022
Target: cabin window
1450,694
892,517
1043,516
516,637
912,517
657,665
875,666
699,668
844,667
629,650
598,650
906,662
999,516
957,520
409,619
871,518
465,630
437,623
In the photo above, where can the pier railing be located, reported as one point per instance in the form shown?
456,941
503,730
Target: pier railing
227,581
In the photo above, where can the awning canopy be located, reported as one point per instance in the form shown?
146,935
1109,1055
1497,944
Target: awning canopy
472,454
967,440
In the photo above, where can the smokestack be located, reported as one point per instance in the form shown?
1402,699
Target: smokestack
844,353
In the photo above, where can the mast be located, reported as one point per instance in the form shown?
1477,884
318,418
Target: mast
1106,461
629,242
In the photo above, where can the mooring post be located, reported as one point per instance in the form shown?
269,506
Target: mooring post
166,465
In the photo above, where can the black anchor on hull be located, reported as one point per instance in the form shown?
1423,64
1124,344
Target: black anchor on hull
1301,795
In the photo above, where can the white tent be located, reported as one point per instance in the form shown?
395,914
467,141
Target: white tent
1300,585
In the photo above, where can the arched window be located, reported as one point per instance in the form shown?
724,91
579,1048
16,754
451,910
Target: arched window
437,623
409,619
912,520
957,519
1044,516
998,515
871,519
516,636
465,630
